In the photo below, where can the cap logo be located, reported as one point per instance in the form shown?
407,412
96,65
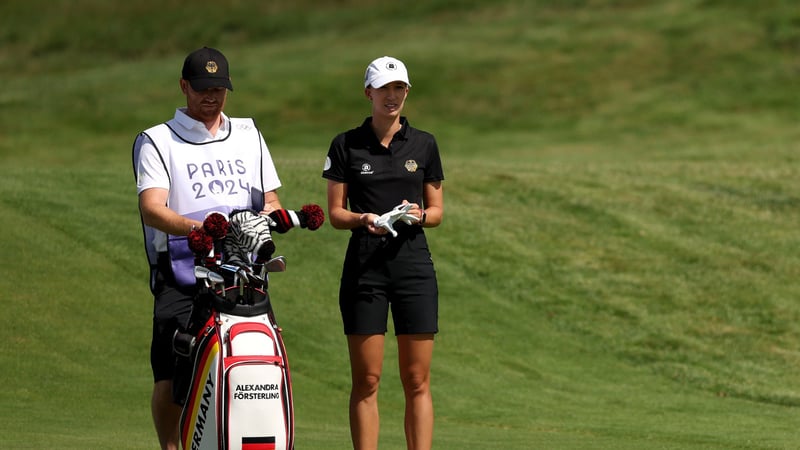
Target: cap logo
211,67
391,66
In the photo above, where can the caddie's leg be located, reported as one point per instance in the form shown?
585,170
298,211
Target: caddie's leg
415,352
166,415
366,364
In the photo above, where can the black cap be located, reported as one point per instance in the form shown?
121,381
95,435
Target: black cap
206,68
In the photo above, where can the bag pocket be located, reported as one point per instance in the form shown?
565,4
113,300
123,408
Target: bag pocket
255,407
181,260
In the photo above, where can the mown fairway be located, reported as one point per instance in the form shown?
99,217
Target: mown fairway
618,264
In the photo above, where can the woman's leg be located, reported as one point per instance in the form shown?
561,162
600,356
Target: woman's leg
366,364
415,352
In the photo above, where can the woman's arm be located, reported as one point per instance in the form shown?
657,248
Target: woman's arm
433,200
342,218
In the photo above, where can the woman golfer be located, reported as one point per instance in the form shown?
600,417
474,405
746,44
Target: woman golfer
382,164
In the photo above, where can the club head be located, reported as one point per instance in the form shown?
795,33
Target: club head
215,278
229,272
276,264
201,273
210,278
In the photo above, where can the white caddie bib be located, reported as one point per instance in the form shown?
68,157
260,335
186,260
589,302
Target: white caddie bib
212,176
221,175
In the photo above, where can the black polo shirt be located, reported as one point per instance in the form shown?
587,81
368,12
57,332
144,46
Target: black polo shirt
380,178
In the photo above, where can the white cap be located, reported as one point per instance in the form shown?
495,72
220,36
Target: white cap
384,70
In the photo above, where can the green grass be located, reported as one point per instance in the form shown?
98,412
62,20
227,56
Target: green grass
618,260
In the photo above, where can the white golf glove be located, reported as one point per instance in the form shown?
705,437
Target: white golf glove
399,212
409,219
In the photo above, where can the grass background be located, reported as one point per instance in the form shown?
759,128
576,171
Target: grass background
619,258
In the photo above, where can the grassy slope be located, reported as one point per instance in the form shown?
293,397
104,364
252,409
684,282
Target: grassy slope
617,264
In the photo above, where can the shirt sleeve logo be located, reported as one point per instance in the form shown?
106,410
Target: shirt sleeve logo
411,165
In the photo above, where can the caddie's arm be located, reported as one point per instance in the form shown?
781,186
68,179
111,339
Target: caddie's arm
271,203
156,214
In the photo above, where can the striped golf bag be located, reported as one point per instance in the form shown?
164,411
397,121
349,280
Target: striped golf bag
235,389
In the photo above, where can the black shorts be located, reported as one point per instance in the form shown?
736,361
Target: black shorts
172,307
383,272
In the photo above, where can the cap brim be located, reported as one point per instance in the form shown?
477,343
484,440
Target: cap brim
381,81
201,84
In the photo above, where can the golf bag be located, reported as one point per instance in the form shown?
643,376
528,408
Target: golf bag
232,374
238,394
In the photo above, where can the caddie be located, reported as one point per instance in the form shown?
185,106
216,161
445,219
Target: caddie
197,162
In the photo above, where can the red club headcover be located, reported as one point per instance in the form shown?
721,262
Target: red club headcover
216,225
310,216
200,242
315,217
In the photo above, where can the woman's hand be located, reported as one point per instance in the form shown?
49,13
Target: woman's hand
368,220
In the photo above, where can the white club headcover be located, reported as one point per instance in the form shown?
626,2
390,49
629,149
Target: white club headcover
234,253
254,229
